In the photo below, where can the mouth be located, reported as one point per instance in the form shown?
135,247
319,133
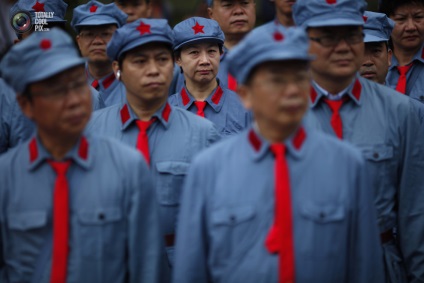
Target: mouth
239,22
153,85
77,119
368,75
343,62
411,37
204,72
98,51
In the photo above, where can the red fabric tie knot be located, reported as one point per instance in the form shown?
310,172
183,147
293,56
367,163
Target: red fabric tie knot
336,119
143,139
60,222
280,237
200,107
401,84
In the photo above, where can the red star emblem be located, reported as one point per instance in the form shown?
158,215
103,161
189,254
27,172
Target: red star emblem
198,28
45,44
38,7
278,36
365,18
143,28
331,1
93,9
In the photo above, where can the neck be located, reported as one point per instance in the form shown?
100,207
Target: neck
58,146
333,85
232,40
201,91
145,109
275,133
100,70
285,19
404,56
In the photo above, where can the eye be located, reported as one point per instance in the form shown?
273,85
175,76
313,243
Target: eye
193,52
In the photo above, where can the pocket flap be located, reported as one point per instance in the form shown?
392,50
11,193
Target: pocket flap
99,216
27,220
172,167
322,213
232,215
377,152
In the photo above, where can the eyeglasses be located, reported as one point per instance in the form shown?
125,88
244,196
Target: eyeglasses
90,36
61,92
330,40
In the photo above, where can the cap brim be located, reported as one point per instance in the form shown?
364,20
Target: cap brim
334,22
373,38
199,39
96,22
142,41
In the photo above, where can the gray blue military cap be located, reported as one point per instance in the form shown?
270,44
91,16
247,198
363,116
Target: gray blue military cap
137,33
95,13
41,56
267,44
197,29
321,13
378,27
57,7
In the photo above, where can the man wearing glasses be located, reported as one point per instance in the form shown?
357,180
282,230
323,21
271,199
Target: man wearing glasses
95,24
381,123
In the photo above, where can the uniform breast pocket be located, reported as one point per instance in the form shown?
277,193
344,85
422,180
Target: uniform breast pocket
380,162
232,231
102,233
322,231
170,181
28,231
231,127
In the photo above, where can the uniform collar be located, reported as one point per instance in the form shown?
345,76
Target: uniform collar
107,81
260,147
353,91
128,116
215,99
79,154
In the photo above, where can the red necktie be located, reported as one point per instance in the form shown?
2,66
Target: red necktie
60,223
336,119
280,237
232,83
401,84
143,139
200,107
95,84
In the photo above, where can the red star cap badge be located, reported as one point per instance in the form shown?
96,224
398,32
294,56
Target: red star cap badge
38,7
45,44
93,8
278,36
331,1
198,28
143,28
365,18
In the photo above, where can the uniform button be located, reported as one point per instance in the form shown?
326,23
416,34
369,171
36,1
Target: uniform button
101,216
376,155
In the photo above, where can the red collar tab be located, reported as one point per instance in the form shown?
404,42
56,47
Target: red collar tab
422,53
314,95
186,99
299,138
255,140
83,149
198,28
38,7
125,114
33,150
166,112
108,81
143,28
216,97
357,88
232,83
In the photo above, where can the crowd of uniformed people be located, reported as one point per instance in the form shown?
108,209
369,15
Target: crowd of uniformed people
214,151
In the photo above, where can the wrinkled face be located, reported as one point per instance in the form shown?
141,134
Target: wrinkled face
235,17
59,105
408,33
376,62
92,42
278,93
339,51
147,72
284,6
200,62
135,9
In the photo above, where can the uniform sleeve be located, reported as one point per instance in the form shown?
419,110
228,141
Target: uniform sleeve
365,255
190,263
147,259
411,197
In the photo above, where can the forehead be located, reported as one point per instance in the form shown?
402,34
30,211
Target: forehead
414,7
73,73
150,49
98,28
334,29
375,44
200,45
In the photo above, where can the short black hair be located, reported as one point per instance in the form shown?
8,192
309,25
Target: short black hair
177,53
131,2
389,7
123,55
